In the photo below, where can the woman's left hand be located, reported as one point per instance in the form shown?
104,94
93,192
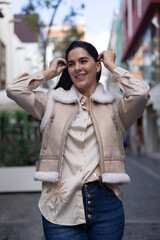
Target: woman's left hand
108,59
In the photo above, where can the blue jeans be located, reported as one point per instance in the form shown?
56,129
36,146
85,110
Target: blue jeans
104,217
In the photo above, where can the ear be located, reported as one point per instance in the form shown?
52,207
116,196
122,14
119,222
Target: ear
98,66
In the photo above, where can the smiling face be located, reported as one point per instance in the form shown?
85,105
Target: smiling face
83,69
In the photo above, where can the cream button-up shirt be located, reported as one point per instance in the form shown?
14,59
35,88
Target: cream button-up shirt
61,202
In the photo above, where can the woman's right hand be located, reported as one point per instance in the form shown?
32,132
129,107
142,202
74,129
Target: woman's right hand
56,67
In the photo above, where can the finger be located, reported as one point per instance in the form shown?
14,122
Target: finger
62,67
60,64
100,57
61,61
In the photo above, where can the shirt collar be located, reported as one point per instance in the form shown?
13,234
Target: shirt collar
81,97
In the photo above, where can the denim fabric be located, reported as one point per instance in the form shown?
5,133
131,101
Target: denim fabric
104,217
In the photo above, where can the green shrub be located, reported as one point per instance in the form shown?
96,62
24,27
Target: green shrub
19,139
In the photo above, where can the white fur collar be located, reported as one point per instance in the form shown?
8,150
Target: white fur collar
100,95
64,96
70,96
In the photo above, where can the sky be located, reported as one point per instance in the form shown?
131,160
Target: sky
97,17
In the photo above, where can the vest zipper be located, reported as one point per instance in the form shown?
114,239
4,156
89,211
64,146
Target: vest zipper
46,137
99,140
65,131
119,136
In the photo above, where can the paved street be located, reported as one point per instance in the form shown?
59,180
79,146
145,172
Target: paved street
20,218
142,199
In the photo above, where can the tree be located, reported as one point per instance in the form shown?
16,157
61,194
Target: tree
72,34
31,17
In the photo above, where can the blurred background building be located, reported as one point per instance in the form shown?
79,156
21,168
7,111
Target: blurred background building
135,37
19,51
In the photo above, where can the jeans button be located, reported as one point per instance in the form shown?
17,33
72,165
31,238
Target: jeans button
89,215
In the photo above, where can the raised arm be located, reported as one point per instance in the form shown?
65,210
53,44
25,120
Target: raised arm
21,90
135,91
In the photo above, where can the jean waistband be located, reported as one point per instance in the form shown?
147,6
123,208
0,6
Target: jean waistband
91,184
94,183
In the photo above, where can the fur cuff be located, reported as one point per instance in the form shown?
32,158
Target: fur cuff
46,176
115,178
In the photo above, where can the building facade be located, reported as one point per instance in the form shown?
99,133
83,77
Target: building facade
137,30
17,55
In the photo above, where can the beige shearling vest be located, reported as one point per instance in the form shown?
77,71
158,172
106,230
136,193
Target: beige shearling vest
63,106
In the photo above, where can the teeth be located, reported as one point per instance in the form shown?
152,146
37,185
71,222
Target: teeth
79,76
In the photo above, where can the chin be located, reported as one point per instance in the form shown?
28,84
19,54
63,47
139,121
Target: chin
80,84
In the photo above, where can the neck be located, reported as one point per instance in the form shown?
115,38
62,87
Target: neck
88,92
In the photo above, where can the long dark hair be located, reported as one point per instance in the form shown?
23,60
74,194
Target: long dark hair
65,81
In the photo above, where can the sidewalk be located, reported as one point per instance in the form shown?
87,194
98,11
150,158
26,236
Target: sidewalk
141,199
20,218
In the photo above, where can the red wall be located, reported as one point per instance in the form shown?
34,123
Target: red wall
139,24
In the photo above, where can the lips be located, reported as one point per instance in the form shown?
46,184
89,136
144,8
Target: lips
80,76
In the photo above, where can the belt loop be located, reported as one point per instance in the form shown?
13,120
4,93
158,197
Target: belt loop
100,181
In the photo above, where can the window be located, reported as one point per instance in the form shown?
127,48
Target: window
144,63
2,66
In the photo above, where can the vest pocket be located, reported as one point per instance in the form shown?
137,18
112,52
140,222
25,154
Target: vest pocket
119,136
47,132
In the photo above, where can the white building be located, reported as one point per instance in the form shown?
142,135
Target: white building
16,56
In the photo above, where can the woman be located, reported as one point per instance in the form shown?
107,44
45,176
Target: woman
82,162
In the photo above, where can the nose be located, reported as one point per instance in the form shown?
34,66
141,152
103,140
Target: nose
77,66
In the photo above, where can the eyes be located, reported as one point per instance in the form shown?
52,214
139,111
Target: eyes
81,61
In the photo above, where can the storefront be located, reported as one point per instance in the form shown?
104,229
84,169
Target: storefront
141,53
144,63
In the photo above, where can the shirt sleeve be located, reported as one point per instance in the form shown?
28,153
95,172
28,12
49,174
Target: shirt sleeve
21,90
134,100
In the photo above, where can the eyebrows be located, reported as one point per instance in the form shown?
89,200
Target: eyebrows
80,59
